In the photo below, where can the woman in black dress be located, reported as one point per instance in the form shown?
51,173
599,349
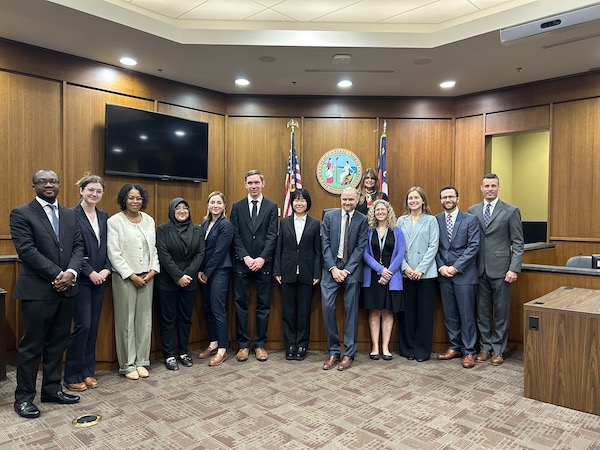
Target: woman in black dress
382,284
369,191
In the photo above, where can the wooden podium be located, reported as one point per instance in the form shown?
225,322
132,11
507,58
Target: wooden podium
562,348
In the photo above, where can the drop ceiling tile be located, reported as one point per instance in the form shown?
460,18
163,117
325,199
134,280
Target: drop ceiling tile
171,9
372,11
435,13
309,10
224,10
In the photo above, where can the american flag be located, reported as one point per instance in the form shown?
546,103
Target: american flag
293,180
382,172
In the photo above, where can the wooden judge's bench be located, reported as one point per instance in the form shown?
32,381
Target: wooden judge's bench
562,348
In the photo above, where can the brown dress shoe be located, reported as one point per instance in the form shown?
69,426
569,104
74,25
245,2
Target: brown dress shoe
207,352
217,359
331,362
242,354
261,354
497,359
468,361
346,363
79,387
91,382
482,356
449,354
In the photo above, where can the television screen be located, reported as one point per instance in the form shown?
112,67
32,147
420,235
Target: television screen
149,144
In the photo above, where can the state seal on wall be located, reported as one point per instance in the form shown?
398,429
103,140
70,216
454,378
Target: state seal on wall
338,169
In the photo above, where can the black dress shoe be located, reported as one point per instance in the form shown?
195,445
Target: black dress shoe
300,353
422,359
290,352
27,410
374,356
61,397
387,357
410,358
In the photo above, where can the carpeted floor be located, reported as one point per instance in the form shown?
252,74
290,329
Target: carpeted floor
296,405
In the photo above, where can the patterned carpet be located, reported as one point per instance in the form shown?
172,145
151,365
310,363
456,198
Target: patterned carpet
296,405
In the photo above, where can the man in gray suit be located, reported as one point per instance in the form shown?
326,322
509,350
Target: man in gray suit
344,238
500,257
457,267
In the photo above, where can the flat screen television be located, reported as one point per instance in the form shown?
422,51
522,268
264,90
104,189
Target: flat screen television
154,145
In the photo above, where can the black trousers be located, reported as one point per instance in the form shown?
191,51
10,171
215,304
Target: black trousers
46,329
214,297
175,314
296,299
416,321
241,284
80,361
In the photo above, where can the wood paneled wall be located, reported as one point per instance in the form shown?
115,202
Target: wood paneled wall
52,114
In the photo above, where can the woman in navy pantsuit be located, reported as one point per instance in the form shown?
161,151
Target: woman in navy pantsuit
297,269
214,277
80,363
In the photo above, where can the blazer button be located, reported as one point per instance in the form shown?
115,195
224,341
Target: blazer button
253,237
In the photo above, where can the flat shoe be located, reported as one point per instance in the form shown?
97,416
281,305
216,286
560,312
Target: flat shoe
374,356
77,387
142,372
387,357
91,382
207,352
217,359
132,375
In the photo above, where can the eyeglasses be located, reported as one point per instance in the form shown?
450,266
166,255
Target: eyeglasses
182,209
44,182
448,197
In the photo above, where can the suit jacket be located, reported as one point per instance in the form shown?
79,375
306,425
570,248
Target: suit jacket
258,240
43,256
421,244
304,257
357,241
124,250
173,262
95,257
462,252
218,245
502,243
395,284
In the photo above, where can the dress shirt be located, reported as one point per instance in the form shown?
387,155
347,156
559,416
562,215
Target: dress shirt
259,199
299,224
340,253
492,206
453,215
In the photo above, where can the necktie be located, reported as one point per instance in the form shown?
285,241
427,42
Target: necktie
449,226
346,233
487,214
254,211
55,223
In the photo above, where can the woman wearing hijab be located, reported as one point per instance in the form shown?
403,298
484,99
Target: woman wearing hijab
180,246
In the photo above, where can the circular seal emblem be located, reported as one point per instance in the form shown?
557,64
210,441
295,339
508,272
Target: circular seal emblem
337,169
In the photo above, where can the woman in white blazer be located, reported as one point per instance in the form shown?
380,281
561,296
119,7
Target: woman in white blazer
131,246
421,235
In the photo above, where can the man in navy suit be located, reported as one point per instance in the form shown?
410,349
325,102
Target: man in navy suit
457,267
343,238
48,241
254,221
500,258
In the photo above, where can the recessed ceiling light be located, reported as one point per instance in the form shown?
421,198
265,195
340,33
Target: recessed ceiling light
180,133
128,61
448,84
345,83
242,82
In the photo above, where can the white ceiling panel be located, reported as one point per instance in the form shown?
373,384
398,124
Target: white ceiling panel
224,10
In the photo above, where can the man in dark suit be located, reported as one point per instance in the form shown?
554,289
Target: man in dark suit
344,238
500,258
254,221
457,267
48,241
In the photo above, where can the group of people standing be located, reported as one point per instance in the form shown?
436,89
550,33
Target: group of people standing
68,254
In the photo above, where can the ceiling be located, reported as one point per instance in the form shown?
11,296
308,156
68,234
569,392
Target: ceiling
286,47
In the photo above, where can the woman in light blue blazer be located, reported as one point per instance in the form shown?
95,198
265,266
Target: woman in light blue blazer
421,236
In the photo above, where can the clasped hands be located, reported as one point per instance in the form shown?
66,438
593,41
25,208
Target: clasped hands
64,281
254,264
